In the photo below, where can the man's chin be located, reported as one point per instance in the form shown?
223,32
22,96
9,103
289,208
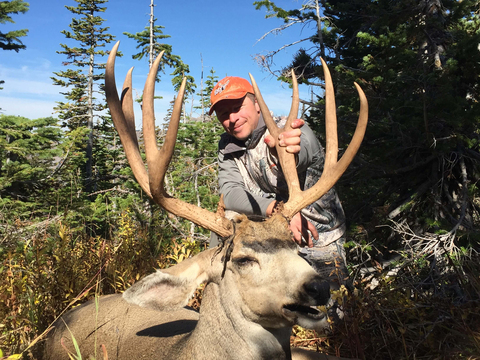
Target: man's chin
240,135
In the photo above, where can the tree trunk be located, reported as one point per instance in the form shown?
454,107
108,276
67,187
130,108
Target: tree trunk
89,150
152,22
319,30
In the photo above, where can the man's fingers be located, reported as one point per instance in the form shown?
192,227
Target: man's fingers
291,137
307,225
313,230
294,149
307,238
291,140
287,141
297,123
297,236
302,228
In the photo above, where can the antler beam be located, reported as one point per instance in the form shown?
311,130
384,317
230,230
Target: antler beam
152,182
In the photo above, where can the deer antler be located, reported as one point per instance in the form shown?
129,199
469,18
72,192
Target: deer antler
152,182
333,169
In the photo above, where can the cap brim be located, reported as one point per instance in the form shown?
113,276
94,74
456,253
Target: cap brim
229,96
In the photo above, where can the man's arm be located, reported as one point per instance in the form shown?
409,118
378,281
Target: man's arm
235,195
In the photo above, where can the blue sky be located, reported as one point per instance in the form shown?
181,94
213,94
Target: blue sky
224,33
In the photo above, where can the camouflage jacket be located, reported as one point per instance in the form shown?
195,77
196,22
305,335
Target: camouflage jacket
250,179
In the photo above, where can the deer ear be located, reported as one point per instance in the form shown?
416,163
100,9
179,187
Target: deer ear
172,288
161,291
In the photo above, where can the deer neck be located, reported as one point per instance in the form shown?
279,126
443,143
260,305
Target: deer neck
223,332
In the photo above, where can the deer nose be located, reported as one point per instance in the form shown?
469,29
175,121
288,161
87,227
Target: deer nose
318,289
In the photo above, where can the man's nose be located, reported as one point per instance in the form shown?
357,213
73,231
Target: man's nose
233,117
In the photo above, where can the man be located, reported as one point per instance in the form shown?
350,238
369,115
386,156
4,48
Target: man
252,183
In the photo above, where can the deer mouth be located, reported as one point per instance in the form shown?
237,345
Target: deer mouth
296,310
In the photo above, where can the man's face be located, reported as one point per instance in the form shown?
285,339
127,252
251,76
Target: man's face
239,117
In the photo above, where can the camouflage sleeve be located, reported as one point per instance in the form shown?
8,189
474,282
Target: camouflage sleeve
311,150
235,195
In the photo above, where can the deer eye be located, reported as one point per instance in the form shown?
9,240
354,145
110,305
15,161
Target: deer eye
244,261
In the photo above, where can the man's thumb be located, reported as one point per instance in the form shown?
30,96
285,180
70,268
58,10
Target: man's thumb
269,141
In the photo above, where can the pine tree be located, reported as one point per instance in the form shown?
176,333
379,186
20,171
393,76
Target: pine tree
150,43
84,93
192,175
418,63
28,166
205,92
11,40
419,69
305,62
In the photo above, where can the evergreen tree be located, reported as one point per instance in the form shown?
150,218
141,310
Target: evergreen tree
419,69
192,174
11,40
418,63
150,43
29,166
305,62
84,107
204,94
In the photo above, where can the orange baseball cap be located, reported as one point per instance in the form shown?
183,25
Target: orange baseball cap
230,87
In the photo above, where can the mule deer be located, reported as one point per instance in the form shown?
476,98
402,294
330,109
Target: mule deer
257,287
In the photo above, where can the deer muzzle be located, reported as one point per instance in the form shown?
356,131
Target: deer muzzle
315,292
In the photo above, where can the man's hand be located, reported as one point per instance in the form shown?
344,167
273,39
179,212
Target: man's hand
299,226
290,139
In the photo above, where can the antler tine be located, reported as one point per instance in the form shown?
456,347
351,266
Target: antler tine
127,104
124,120
157,160
331,142
333,169
295,102
286,159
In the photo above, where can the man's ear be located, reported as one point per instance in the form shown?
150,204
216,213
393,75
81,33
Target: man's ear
257,107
